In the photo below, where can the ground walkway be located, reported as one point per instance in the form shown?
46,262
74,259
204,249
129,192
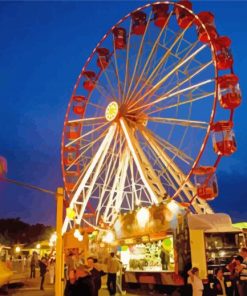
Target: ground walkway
30,287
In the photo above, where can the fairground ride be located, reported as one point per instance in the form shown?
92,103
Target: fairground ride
155,89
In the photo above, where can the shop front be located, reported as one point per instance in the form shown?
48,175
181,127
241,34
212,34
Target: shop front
147,247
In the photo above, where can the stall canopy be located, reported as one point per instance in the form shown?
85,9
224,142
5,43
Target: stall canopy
211,223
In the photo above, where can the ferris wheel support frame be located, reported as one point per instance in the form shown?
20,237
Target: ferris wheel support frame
148,176
188,188
100,155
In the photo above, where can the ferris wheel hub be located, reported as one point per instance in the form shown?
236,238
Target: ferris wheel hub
111,111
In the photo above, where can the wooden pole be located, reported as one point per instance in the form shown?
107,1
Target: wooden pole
59,243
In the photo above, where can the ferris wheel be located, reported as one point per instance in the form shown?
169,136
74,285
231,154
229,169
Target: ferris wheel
157,86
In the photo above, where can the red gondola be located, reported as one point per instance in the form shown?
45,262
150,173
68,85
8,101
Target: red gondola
206,183
184,18
139,20
224,57
207,19
79,104
230,94
223,138
71,178
119,38
160,14
73,130
103,59
89,83
70,154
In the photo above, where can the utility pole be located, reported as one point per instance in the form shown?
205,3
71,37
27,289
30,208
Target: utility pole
59,244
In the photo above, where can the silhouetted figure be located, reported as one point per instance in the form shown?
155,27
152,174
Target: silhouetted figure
42,266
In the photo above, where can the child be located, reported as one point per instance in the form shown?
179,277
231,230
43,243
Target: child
195,281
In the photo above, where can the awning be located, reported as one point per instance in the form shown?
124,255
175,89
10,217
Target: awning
211,223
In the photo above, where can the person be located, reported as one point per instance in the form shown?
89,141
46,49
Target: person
195,281
219,285
84,282
113,266
243,273
33,264
96,274
52,271
236,267
43,269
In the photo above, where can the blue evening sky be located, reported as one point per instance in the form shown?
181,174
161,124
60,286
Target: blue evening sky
43,46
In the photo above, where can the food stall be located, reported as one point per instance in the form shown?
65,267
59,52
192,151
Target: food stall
146,240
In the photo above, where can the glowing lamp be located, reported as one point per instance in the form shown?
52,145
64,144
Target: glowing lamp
70,213
53,237
17,249
109,237
38,246
77,233
142,216
222,253
80,238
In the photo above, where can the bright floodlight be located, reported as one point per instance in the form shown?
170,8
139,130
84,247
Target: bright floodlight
173,207
77,233
17,249
142,216
80,238
38,246
109,237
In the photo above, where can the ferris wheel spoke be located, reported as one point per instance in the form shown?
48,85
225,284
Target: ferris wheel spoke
87,119
96,106
167,96
154,48
112,88
149,81
189,101
126,78
116,72
87,134
182,122
138,56
155,87
163,59
149,178
176,173
85,148
173,149
103,92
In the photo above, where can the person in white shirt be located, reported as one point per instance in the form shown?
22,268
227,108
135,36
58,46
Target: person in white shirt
113,266
195,281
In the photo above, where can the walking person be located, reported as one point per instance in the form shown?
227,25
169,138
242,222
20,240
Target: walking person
52,271
243,273
43,269
96,274
219,285
195,281
113,266
33,263
84,282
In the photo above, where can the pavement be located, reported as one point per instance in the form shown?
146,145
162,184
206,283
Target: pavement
30,287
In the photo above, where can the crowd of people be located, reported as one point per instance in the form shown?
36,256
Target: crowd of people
45,264
84,278
233,285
